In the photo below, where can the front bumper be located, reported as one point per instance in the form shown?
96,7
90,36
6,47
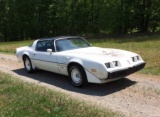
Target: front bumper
125,72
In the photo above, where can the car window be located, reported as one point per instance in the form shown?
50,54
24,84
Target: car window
44,45
71,43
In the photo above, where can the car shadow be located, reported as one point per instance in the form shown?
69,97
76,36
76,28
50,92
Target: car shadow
63,83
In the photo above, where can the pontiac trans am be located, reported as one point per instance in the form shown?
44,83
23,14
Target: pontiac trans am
76,58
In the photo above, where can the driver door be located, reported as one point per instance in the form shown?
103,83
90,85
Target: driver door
45,60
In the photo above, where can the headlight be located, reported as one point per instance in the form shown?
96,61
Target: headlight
133,59
108,65
136,58
115,63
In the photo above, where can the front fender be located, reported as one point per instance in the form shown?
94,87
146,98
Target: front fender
75,60
25,53
96,69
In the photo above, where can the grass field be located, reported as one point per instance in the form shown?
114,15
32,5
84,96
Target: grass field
147,46
10,47
21,99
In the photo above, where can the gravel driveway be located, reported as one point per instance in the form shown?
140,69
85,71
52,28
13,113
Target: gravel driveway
136,95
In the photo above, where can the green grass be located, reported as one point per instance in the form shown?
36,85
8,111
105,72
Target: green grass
21,99
10,47
148,46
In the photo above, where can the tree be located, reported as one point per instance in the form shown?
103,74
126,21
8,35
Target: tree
42,18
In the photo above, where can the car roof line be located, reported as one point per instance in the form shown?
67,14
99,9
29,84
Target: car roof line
59,37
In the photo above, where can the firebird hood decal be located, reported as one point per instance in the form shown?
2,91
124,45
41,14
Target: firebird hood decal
97,53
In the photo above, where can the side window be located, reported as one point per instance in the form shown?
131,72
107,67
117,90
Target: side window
48,45
44,45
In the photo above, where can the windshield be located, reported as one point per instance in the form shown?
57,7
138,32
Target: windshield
71,43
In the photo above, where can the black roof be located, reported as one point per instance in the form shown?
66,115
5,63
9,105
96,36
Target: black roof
60,37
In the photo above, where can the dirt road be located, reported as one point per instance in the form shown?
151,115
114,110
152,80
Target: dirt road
137,95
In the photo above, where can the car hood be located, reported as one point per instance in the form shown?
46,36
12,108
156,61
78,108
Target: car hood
100,54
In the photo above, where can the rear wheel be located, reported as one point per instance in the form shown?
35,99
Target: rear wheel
77,76
27,64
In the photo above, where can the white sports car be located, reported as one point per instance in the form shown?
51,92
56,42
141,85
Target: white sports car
76,58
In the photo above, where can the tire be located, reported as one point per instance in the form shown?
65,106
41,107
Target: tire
28,64
77,76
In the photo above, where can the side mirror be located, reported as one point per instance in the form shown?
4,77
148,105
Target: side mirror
49,50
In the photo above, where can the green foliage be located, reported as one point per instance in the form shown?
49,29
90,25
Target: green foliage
19,99
42,18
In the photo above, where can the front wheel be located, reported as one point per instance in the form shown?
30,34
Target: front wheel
28,64
77,76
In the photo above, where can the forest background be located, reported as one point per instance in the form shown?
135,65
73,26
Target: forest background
31,19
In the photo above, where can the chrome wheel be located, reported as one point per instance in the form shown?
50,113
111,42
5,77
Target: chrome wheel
76,76
28,65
